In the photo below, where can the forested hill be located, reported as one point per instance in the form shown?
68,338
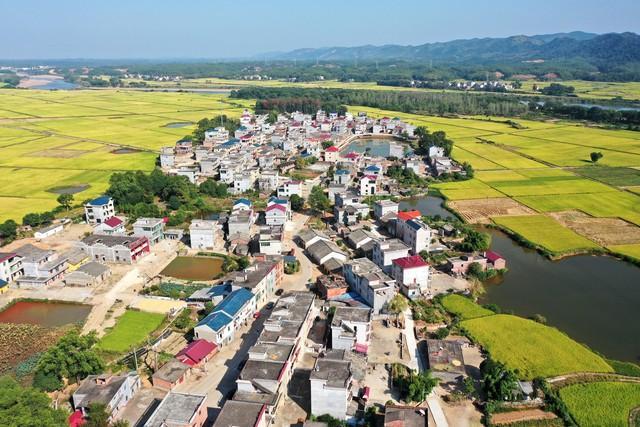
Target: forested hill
619,47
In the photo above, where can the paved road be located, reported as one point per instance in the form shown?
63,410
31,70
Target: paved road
436,411
412,345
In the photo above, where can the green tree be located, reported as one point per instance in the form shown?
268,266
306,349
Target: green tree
8,230
27,407
469,387
595,156
97,415
72,357
398,304
65,200
318,200
420,385
475,241
498,382
327,144
297,202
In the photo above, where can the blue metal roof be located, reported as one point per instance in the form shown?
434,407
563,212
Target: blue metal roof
3,283
274,199
232,304
216,321
100,201
413,224
373,168
243,201
219,290
230,143
342,172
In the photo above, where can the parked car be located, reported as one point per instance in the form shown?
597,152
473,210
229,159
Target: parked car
256,315
279,292
270,305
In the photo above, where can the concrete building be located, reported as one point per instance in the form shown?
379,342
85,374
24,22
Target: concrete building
179,410
412,275
235,413
417,235
460,264
270,240
40,267
99,210
351,329
220,326
324,250
370,282
151,228
203,234
401,220
290,188
10,266
331,385
89,274
331,285
446,358
310,236
171,374
113,391
406,416
240,222
385,251
383,207
48,231
112,226
261,278
116,249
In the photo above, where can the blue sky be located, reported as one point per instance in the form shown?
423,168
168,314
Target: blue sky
225,28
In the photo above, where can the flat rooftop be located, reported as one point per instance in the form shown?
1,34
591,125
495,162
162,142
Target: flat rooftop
176,409
261,370
351,314
239,414
445,355
270,352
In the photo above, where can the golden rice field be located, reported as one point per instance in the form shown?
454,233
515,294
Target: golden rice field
546,167
56,139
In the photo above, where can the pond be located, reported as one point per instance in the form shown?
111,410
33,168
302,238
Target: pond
594,299
177,125
43,313
194,268
378,147
69,190
427,205
125,150
57,85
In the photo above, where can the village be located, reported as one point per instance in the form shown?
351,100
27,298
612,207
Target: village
319,315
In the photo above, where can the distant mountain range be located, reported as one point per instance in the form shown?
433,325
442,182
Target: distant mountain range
621,47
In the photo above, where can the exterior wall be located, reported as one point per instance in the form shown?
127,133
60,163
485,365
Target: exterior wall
202,239
379,211
275,217
417,275
116,254
384,257
11,268
99,214
328,400
153,232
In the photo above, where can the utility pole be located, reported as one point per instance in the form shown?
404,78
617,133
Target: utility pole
135,358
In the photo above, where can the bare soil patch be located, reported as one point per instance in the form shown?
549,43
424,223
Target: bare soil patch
526,415
59,153
603,231
480,211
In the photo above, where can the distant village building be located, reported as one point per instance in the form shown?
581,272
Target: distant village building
203,234
351,329
151,228
113,391
331,381
116,249
370,282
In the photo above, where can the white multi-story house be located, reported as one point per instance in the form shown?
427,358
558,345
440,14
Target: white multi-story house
368,185
412,274
151,228
278,211
290,188
203,234
231,314
10,267
351,329
242,182
270,240
370,282
383,207
417,235
40,267
99,210
385,251
331,385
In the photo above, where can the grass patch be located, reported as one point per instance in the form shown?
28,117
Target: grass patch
533,349
545,232
632,251
601,403
464,307
131,329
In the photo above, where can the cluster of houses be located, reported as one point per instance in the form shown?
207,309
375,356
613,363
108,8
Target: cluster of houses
258,155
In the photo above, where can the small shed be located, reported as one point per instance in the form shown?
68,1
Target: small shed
170,375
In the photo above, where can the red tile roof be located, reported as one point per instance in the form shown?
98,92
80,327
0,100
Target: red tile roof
352,155
332,149
407,215
6,255
276,206
196,351
113,222
410,262
492,256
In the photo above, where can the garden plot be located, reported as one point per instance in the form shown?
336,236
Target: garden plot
480,211
603,231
